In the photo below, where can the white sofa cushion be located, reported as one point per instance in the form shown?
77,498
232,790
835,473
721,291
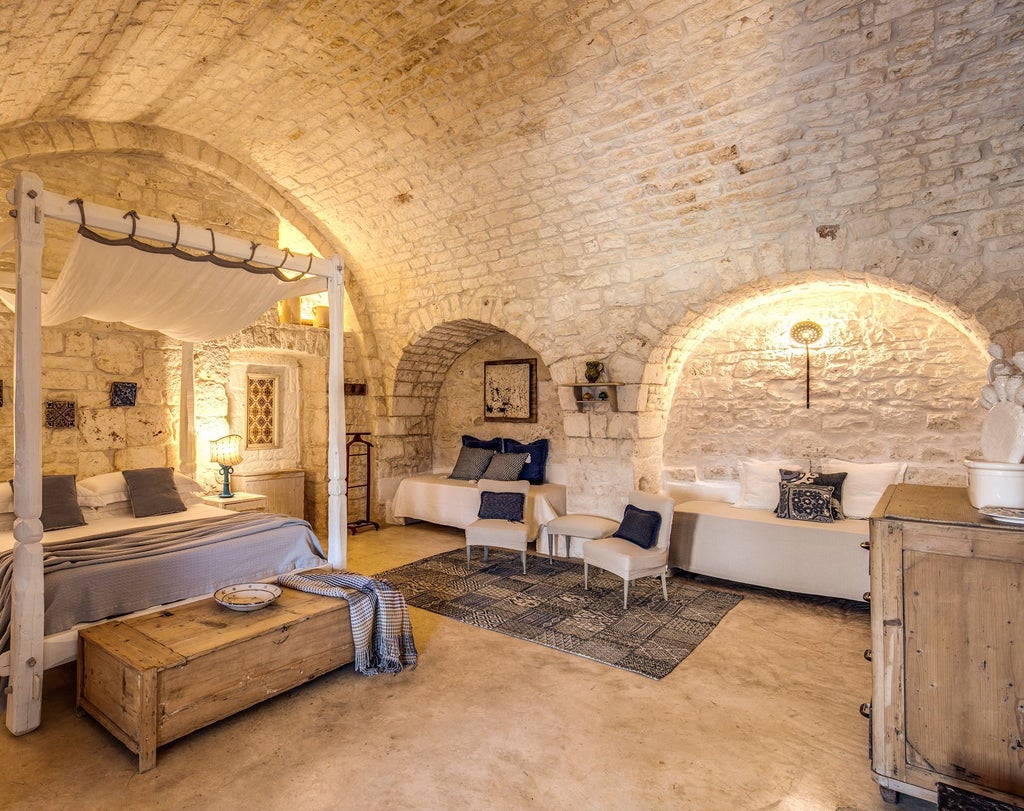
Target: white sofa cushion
759,481
865,483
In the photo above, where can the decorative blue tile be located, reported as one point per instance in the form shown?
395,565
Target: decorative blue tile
60,414
123,394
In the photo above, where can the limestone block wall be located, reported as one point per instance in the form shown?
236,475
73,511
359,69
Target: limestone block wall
460,406
892,379
80,361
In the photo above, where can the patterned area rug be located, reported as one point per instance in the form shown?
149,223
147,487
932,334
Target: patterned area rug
549,606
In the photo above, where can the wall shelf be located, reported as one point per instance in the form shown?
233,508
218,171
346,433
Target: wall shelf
589,395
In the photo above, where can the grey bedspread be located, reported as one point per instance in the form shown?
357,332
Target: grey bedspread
90,579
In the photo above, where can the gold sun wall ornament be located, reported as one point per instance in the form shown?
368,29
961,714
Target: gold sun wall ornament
806,333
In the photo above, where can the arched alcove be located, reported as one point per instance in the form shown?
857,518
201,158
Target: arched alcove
460,406
894,376
438,396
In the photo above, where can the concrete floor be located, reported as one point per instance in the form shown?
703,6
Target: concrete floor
763,715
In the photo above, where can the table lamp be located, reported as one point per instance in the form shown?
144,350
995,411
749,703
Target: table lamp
226,451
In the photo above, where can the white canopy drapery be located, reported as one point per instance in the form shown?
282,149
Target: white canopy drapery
185,300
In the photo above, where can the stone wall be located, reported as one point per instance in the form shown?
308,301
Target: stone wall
460,406
80,361
891,379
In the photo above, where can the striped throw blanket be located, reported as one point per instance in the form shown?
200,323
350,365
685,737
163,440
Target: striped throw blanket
381,630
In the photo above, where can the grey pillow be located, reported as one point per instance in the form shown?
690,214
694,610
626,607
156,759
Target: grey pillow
60,503
471,464
505,467
151,491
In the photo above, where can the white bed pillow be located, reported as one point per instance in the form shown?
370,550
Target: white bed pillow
865,482
110,488
759,481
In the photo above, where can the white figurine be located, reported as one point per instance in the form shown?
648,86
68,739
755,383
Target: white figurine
1002,432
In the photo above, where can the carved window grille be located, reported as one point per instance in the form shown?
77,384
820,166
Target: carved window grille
262,407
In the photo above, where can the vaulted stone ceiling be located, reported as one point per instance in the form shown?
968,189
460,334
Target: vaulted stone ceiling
584,173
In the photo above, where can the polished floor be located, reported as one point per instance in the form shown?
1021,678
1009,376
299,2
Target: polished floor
763,715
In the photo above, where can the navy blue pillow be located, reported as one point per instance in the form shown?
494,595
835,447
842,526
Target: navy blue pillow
502,505
533,471
639,526
487,444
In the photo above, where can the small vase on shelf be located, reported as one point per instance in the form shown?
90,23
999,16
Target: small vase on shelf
593,371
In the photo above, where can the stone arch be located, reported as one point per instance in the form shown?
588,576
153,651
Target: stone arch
418,378
679,344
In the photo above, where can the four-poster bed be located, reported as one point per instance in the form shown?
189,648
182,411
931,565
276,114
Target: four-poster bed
164,289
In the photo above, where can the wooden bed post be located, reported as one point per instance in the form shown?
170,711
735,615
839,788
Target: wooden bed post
186,413
24,701
337,498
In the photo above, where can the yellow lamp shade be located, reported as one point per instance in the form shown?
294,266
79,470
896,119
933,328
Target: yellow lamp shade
227,450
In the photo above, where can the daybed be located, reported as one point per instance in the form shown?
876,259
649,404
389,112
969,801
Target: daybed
728,529
453,499
438,499
154,287
755,547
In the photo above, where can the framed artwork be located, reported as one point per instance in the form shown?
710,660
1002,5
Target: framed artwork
510,390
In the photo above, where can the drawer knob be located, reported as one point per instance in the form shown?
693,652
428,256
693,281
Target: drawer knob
867,597
865,544
867,654
865,710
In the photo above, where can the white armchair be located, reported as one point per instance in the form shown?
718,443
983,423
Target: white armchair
629,560
502,532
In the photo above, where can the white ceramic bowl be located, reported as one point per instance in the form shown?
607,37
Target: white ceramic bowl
995,484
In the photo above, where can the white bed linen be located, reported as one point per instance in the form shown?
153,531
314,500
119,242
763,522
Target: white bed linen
62,646
455,503
754,546
117,521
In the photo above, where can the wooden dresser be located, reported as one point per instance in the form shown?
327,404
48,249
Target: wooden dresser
947,647
285,489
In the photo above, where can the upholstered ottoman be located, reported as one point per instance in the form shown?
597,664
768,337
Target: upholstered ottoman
584,527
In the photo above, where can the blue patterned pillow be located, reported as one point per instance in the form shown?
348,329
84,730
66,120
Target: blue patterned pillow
505,467
806,502
639,526
508,506
792,478
471,464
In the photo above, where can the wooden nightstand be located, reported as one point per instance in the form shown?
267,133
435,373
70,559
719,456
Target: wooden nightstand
239,502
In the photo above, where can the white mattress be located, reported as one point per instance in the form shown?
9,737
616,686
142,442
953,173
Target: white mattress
452,502
116,520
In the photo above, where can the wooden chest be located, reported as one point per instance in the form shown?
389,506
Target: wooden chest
947,653
153,678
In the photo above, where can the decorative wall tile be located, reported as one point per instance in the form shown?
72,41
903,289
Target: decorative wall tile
261,404
60,414
123,394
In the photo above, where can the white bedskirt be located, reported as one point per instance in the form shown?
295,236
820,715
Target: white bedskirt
756,547
452,502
